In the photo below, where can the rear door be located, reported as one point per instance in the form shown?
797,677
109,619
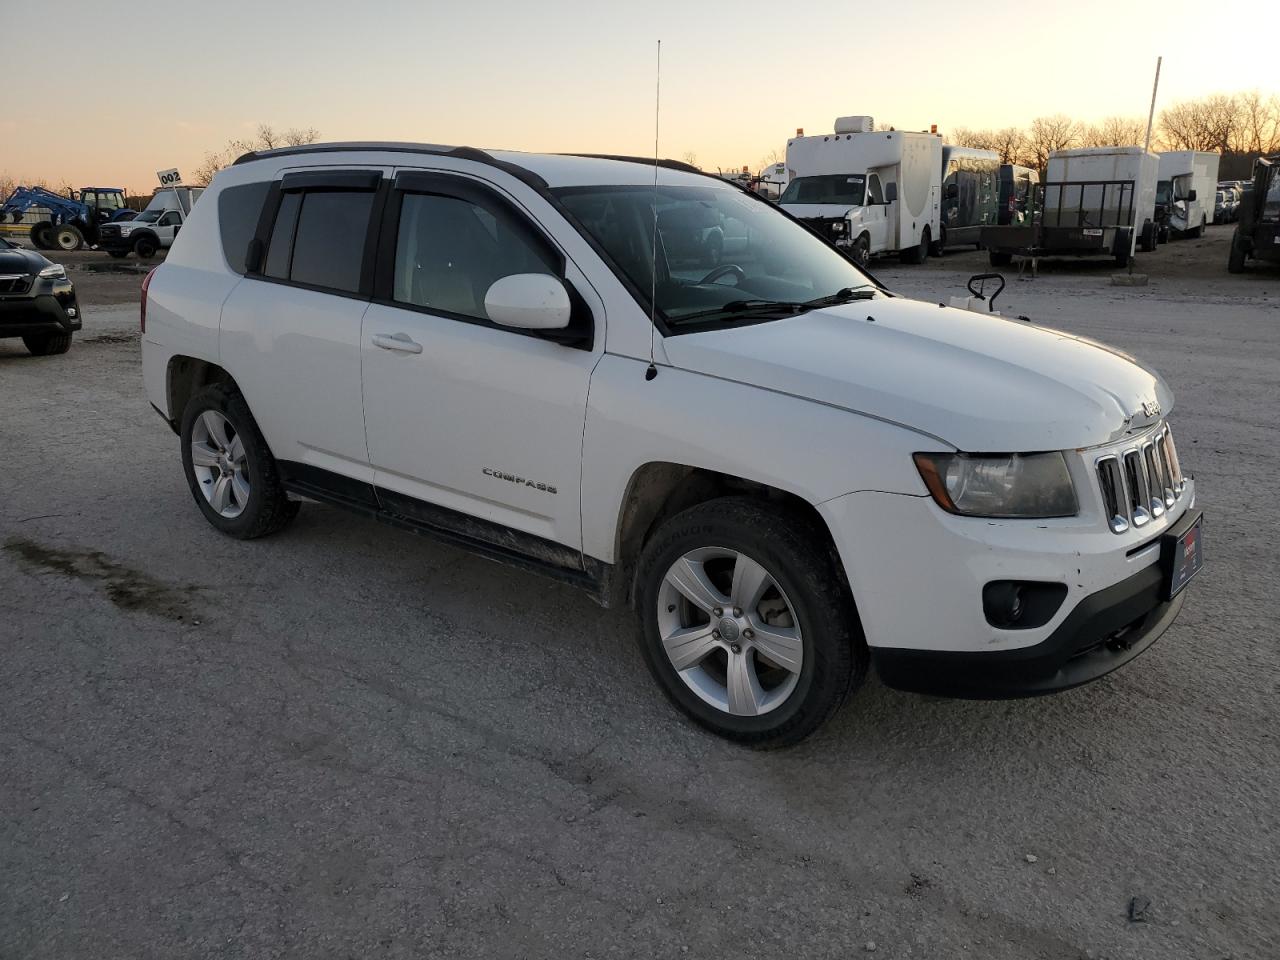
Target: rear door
290,330
460,413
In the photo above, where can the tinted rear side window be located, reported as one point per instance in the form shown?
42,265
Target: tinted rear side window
238,212
328,247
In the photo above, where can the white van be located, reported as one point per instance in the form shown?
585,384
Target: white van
868,191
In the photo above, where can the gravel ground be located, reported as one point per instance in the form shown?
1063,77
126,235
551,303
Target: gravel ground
346,741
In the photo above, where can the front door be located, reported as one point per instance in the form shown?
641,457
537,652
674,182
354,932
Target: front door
875,216
460,412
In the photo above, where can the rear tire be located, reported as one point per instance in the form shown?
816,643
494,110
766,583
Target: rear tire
1236,258
254,492
42,235
938,248
47,344
68,237
919,253
799,588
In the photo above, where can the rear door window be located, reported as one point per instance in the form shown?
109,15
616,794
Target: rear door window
319,237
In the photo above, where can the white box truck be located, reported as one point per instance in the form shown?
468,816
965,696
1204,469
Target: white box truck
1185,192
868,191
1092,201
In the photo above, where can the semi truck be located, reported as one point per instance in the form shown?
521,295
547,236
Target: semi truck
970,195
1091,204
1185,191
867,191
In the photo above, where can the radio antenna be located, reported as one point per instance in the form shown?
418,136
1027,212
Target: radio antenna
652,370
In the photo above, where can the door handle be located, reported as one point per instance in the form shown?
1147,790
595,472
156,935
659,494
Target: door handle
396,341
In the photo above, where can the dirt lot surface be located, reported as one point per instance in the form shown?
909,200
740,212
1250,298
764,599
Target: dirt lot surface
345,741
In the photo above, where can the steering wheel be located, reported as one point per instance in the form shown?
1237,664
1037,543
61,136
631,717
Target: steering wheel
724,270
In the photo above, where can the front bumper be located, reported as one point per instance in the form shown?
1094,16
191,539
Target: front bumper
56,312
1104,632
918,573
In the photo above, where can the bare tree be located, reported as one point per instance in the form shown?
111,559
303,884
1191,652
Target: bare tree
978,139
690,158
1204,124
266,138
1048,134
1115,132
1257,123
1012,145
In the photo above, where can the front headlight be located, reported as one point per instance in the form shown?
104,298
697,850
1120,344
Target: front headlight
125,230
838,226
1000,485
54,271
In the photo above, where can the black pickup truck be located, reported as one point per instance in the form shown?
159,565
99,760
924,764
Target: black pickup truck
37,301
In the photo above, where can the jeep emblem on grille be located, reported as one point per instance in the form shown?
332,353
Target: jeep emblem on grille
1151,408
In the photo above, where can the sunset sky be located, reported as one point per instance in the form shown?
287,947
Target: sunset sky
143,86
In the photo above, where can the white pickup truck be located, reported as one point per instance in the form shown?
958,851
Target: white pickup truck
152,230
787,470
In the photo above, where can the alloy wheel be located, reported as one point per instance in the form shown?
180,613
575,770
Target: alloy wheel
729,631
219,462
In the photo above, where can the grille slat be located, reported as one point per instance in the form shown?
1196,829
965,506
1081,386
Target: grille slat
1141,483
14,283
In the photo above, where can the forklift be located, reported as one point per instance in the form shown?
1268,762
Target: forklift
1257,233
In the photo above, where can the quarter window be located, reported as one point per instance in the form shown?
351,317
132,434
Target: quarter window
449,251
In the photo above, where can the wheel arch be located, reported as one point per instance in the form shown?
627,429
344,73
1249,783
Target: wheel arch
185,376
659,490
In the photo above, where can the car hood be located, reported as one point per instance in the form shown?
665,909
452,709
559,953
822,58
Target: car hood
978,382
21,261
810,211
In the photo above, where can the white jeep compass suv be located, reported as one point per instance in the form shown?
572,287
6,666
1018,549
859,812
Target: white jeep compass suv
788,471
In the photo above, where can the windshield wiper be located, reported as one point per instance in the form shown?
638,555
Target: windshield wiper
844,295
746,308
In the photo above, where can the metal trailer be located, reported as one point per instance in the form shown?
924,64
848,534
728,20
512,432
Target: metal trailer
1257,234
970,195
1017,186
1092,202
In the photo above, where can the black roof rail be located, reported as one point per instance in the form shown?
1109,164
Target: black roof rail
428,149
649,161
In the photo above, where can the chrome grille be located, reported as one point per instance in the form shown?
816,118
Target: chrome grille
1141,483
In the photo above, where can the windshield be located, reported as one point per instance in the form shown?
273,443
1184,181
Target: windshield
148,216
834,188
722,255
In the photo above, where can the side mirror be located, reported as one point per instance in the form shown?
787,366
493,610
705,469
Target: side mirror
890,192
529,301
1191,195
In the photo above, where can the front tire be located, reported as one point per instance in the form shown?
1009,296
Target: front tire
785,647
940,247
145,247
229,467
862,251
47,344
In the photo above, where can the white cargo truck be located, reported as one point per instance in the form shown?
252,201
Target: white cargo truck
152,230
868,191
1092,201
1184,194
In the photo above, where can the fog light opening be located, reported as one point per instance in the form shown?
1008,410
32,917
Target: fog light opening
1021,604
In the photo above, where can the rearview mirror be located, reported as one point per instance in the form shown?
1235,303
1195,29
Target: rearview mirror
890,192
529,301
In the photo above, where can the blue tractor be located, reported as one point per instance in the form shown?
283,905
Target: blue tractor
72,221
